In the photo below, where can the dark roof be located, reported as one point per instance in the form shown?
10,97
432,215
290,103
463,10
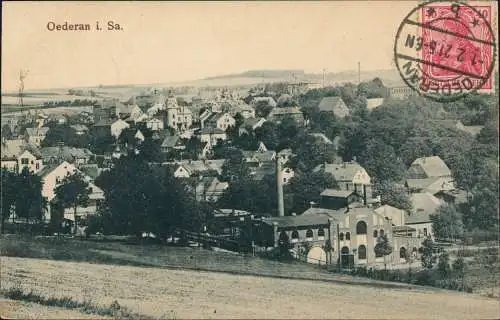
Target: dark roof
335,105
299,221
336,193
46,170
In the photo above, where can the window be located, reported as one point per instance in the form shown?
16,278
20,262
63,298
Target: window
348,236
321,234
341,236
32,162
381,232
361,227
375,233
309,234
362,252
295,236
37,166
347,186
425,232
25,161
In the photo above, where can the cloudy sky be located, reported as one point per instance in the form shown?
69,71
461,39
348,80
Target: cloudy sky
164,42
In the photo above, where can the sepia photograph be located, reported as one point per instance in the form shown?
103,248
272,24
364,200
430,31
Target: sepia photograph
249,160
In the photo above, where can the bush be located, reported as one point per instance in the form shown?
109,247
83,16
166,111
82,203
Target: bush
425,277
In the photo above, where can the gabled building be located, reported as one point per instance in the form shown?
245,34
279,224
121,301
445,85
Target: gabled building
117,127
212,135
189,168
75,156
171,143
250,125
210,189
335,105
278,114
178,117
52,175
428,167
35,136
18,154
220,121
350,176
154,124
424,205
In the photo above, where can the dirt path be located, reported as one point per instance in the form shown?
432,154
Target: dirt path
184,294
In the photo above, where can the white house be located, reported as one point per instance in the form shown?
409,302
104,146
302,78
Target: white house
117,127
212,135
287,174
220,121
53,175
154,124
17,154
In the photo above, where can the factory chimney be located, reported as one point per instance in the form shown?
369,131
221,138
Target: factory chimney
279,186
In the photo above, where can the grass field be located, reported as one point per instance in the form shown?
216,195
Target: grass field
173,282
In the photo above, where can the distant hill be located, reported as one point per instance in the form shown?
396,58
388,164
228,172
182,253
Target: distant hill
270,73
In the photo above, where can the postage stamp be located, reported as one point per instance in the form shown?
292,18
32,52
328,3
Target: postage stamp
445,50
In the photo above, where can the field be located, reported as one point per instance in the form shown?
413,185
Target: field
170,282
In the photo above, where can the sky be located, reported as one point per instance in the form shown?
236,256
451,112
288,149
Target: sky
163,42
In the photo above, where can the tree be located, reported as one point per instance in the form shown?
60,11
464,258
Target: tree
447,223
428,258
443,267
6,132
262,109
72,192
381,162
383,248
29,203
268,134
393,194
9,194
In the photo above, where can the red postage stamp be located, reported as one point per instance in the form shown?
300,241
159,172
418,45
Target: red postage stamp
445,50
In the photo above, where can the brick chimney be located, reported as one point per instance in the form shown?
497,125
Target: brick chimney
279,186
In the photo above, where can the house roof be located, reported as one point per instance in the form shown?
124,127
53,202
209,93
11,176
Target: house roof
473,130
251,122
202,165
335,105
208,130
284,111
420,183
430,167
37,131
65,152
302,220
11,149
46,170
170,141
424,204
322,137
341,172
336,193
315,210
79,127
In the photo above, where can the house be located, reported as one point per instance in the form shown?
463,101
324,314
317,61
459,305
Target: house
212,135
154,124
259,158
106,112
428,167
35,136
322,138
269,100
172,143
80,129
350,176
52,175
335,105
453,197
395,215
139,136
431,185
400,92
250,125
188,168
117,127
374,103
210,189
178,117
338,199
278,114
424,205
220,121
75,156
245,110
18,154
57,118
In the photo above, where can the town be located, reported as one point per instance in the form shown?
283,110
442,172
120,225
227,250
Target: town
244,160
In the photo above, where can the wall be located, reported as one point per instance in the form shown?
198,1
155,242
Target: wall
34,164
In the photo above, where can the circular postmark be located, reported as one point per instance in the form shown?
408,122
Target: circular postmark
445,50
